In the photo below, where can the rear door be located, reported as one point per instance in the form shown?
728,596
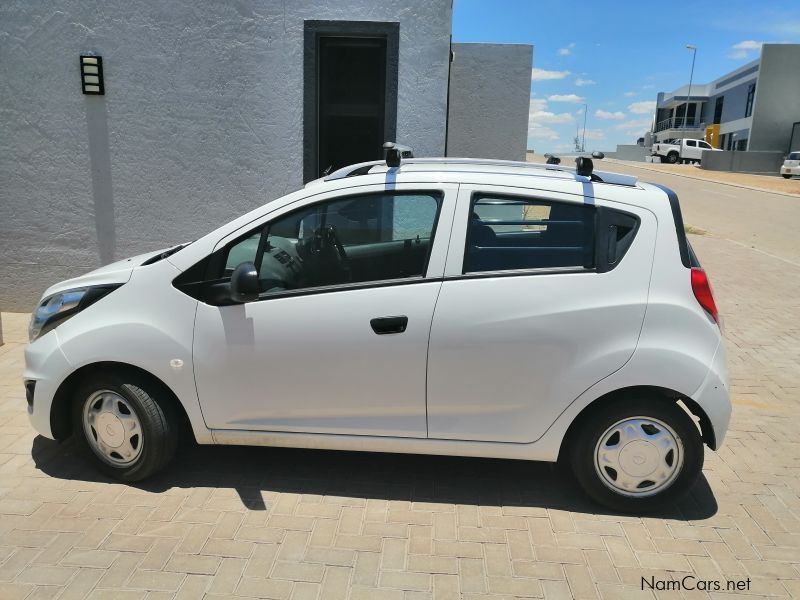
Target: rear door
535,308
690,150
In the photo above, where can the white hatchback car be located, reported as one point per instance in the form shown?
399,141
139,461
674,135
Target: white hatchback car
445,306
791,166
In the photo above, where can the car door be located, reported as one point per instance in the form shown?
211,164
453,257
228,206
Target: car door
337,340
690,150
535,308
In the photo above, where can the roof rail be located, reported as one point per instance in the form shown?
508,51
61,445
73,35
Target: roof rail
598,176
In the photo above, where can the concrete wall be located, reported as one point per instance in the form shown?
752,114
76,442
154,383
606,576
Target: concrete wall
760,163
777,103
490,87
202,120
629,152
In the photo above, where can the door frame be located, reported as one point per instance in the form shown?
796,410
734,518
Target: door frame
312,32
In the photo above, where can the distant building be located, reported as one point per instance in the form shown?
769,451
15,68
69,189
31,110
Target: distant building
755,107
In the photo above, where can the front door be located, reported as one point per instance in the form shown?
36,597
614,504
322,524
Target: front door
337,341
525,321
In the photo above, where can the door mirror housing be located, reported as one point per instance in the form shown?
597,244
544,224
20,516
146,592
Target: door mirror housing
244,285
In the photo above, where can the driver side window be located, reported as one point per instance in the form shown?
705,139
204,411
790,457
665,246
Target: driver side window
357,239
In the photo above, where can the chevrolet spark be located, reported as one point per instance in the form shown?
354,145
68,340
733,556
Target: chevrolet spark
440,306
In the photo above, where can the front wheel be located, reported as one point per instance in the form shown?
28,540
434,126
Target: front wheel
124,425
672,158
637,454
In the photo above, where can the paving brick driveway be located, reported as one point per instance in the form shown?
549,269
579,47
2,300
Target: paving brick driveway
280,523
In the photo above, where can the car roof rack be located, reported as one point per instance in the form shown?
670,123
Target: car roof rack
365,168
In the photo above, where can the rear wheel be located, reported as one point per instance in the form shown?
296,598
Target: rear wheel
637,454
124,425
787,176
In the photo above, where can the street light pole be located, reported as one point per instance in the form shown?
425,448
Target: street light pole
583,143
691,76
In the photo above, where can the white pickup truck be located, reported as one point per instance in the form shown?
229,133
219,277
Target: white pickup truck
681,150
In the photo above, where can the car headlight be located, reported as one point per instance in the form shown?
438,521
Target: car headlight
55,309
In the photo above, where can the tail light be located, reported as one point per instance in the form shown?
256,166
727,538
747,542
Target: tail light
702,291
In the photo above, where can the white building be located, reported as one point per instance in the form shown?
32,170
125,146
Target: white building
212,108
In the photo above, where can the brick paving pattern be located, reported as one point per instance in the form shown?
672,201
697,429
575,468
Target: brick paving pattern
276,523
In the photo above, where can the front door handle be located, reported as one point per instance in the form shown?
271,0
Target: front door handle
384,325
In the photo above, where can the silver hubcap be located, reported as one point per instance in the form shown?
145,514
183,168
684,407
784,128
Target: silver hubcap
112,428
638,456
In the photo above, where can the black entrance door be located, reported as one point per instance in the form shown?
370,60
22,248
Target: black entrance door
351,100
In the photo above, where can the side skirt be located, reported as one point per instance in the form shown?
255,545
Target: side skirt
362,443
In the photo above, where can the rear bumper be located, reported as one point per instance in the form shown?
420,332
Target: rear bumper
713,396
790,170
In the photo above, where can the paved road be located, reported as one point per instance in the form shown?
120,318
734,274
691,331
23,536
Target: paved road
761,220
274,523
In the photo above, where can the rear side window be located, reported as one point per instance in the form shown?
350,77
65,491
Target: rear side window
510,233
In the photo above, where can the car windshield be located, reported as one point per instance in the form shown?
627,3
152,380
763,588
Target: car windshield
794,156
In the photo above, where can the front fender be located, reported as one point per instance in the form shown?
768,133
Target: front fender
148,324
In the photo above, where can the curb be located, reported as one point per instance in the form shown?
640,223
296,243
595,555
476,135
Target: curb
736,185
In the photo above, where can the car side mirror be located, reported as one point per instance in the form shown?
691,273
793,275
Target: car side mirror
244,286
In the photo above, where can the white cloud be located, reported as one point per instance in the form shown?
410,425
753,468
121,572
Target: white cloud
748,45
582,82
642,108
544,116
634,125
537,132
609,116
566,98
566,51
649,86
595,134
539,116
538,104
629,94
544,75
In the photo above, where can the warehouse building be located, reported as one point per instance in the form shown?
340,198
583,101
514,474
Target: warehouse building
755,107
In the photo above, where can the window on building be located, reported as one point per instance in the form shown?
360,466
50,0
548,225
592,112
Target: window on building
751,95
718,110
357,239
510,233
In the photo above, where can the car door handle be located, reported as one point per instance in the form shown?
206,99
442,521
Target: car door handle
384,325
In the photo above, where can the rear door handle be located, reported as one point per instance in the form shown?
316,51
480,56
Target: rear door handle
384,325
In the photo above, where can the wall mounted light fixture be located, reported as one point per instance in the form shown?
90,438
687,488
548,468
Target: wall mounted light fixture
92,75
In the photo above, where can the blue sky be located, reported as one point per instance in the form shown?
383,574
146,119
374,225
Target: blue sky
616,56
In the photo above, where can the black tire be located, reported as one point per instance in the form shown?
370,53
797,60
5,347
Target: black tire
596,423
159,425
672,158
787,176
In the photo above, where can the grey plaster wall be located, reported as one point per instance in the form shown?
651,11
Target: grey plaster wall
760,163
202,120
777,102
490,88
